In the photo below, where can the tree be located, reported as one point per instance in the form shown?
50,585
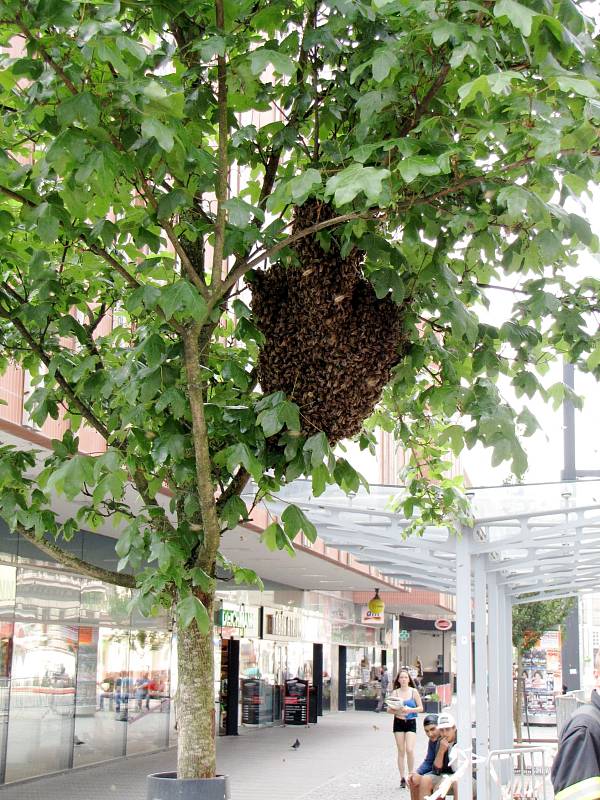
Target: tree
420,150
529,622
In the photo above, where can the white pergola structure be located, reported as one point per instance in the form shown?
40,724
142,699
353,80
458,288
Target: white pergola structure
527,543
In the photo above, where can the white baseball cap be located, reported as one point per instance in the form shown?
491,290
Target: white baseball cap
446,720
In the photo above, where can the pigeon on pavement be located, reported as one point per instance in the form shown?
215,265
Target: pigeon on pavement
296,744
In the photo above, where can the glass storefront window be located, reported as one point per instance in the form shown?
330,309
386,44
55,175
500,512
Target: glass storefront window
8,582
97,724
261,682
42,700
149,690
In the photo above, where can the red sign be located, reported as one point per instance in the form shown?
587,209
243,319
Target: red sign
442,624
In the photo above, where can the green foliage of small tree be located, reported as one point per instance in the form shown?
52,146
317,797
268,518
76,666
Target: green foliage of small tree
529,622
453,138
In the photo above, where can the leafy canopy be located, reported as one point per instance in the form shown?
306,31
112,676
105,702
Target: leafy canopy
151,156
531,620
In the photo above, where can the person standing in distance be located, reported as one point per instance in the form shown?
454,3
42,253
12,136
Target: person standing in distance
384,685
432,733
576,768
405,722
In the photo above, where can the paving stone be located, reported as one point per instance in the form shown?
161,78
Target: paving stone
349,755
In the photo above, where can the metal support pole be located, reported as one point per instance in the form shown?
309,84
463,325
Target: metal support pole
506,678
464,671
482,718
494,639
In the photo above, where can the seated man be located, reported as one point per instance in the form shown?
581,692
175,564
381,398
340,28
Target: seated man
439,777
142,691
107,688
431,730
122,689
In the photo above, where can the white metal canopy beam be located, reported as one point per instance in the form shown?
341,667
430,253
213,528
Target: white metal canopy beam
530,551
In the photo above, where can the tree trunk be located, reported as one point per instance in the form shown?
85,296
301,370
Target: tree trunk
196,753
518,697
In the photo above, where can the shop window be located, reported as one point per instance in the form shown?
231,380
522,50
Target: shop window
42,700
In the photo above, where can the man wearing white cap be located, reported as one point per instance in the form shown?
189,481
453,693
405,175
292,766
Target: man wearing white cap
438,777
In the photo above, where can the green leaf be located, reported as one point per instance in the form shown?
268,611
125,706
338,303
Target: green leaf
233,511
180,300
468,91
247,577
262,57
303,185
318,447
410,168
153,349
269,536
240,212
289,414
593,361
519,15
240,453
353,180
151,127
443,30
201,578
295,520
320,478
270,421
190,609
387,280
80,109
383,62
580,86
172,203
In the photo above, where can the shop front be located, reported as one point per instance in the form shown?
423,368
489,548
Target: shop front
264,656
82,679
363,652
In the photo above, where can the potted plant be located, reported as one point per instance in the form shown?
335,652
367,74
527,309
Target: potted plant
432,704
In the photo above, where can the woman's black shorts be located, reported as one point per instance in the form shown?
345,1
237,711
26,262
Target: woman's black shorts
405,725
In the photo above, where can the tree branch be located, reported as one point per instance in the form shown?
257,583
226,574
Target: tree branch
239,269
77,564
423,106
234,488
148,194
18,197
83,409
46,56
138,478
222,159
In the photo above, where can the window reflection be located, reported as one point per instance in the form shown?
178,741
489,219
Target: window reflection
42,700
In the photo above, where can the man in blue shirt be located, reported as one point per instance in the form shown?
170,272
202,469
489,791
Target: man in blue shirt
431,730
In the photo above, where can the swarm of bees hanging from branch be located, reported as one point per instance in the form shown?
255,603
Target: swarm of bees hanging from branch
330,343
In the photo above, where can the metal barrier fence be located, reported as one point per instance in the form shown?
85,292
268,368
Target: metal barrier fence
520,773
566,705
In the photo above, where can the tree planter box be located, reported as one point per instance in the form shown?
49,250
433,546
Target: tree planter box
365,703
431,706
167,786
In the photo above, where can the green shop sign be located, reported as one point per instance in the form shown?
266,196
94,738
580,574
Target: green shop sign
240,618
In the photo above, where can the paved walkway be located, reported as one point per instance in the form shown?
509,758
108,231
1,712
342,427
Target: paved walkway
349,756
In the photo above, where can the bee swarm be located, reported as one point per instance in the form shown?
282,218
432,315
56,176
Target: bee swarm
330,344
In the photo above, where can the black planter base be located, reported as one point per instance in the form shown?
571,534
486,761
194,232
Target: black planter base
167,786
